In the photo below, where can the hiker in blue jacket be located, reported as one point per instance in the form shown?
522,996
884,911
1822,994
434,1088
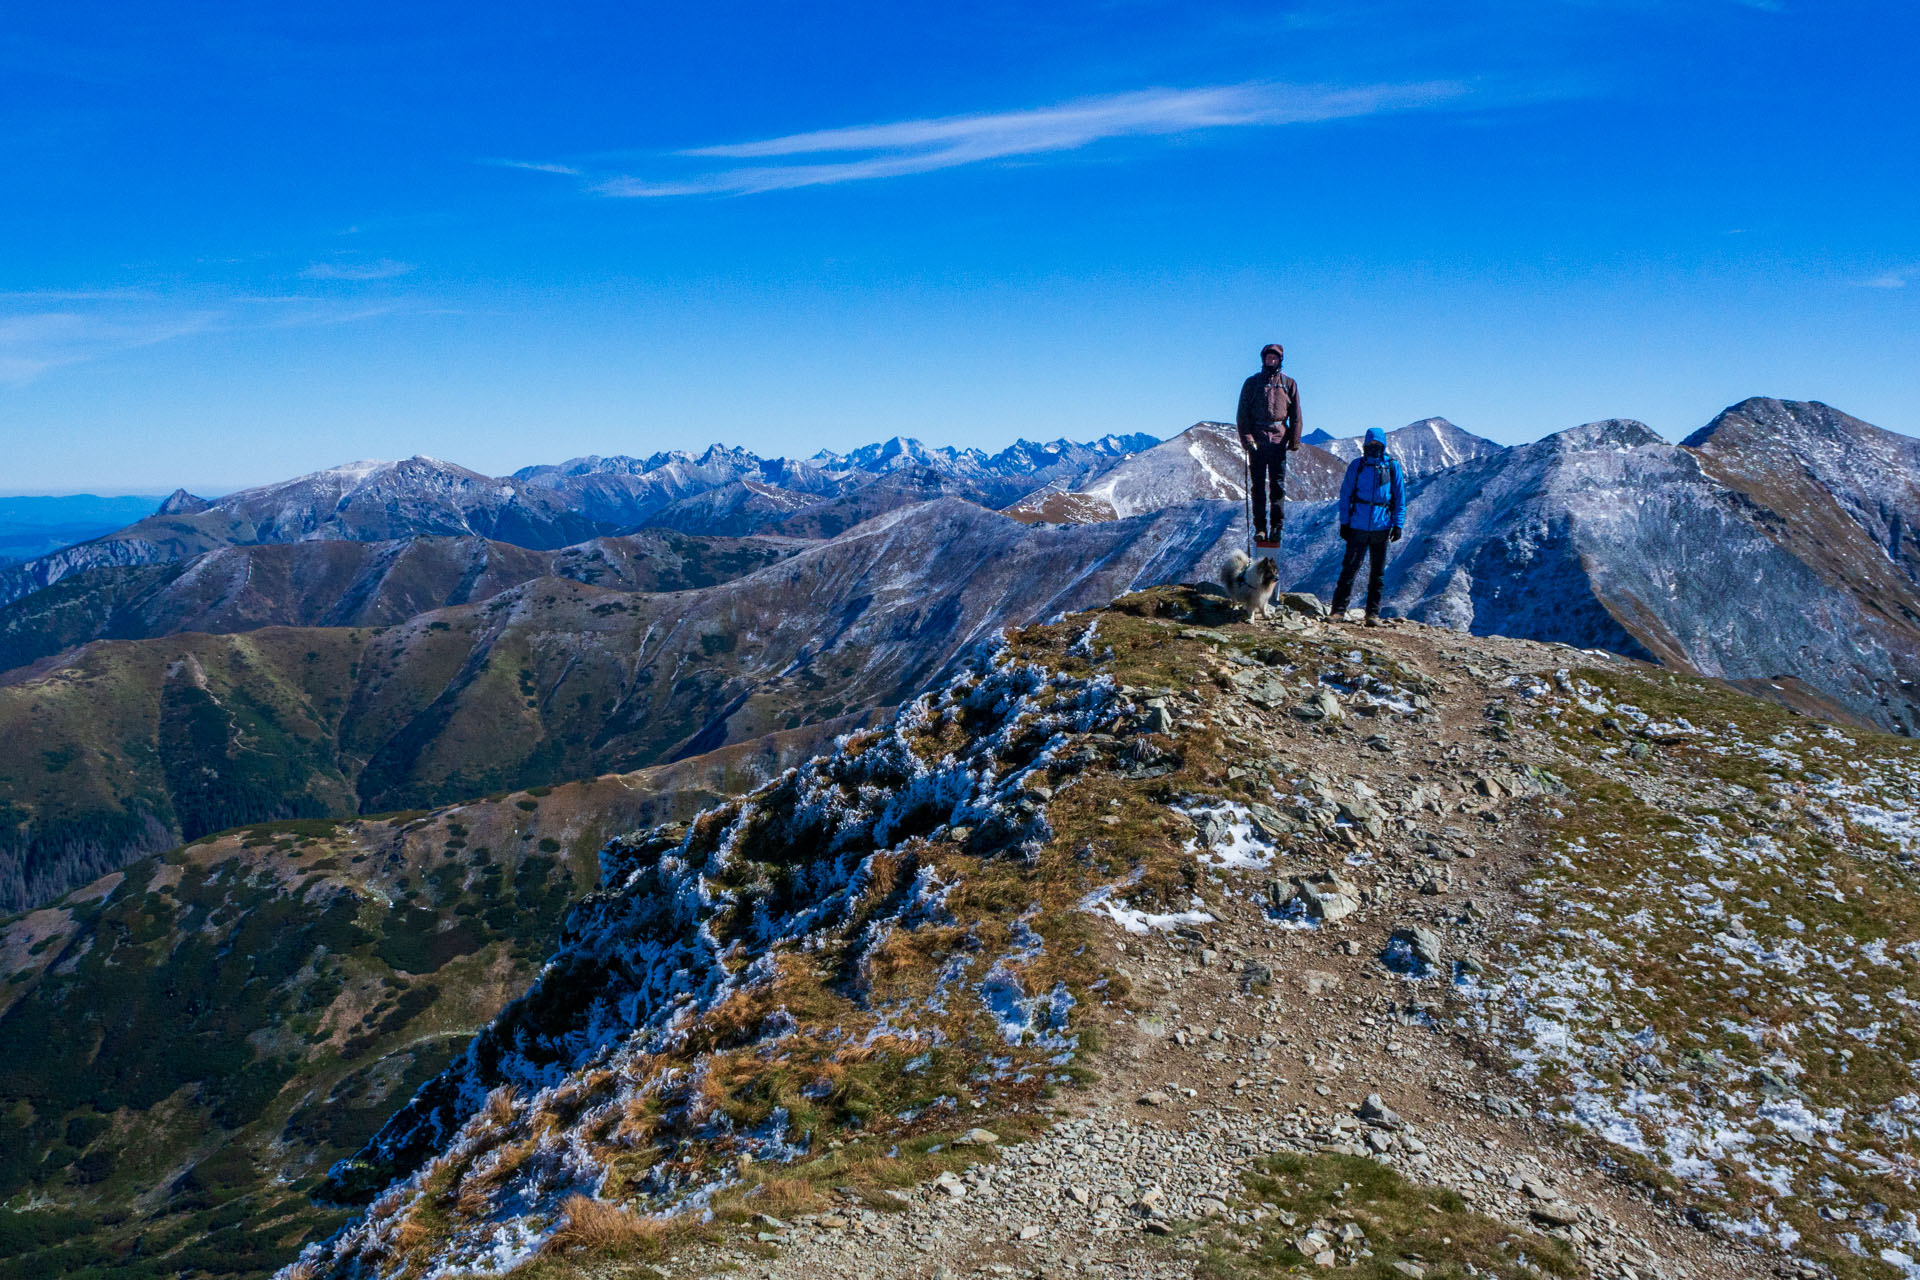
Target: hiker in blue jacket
1373,510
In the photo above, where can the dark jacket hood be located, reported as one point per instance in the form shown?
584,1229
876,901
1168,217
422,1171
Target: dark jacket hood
1277,349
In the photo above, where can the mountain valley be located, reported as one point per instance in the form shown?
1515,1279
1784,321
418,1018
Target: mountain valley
125,747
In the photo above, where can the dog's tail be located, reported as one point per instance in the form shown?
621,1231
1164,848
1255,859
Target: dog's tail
1238,562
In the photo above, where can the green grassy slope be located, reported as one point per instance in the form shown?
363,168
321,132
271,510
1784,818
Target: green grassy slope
191,1042
138,745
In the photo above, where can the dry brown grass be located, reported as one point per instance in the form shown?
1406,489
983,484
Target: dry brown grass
786,1197
408,1236
594,1226
472,1202
497,1169
637,1127
498,1112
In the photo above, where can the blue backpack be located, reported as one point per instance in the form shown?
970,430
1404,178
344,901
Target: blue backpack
1382,487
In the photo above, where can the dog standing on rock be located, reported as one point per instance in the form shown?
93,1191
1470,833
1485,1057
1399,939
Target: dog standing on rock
1251,583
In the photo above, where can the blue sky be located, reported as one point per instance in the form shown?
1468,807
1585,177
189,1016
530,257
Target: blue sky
245,241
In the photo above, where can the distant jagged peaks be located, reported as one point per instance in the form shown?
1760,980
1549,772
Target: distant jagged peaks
879,457
1022,457
182,503
721,490
1423,447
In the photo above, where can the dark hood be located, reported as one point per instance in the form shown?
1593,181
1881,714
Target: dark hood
1277,349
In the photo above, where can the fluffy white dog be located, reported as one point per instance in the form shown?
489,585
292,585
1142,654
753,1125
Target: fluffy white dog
1251,583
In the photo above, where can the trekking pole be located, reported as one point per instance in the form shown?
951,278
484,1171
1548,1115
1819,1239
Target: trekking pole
1247,462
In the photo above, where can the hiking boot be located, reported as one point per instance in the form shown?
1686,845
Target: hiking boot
1373,619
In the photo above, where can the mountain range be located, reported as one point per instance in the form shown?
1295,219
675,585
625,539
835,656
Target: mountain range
124,747
549,507
1432,444
1206,461
1774,547
371,637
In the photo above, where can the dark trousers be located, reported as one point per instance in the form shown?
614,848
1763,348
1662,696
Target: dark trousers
1362,545
1267,480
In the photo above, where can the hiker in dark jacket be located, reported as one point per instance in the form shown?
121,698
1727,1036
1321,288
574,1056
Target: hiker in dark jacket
1373,510
1269,426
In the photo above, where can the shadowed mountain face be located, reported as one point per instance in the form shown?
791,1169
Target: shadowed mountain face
128,746
335,584
1776,543
1203,462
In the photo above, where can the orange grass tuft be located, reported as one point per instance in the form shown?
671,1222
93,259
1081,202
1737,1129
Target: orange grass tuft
594,1226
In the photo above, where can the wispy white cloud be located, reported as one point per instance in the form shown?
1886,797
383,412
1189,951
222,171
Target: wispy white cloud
535,166
864,152
1894,279
32,342
378,269
45,330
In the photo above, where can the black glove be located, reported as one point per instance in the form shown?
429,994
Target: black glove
1393,534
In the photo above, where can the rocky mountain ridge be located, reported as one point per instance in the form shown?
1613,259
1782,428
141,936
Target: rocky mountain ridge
346,584
1204,461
